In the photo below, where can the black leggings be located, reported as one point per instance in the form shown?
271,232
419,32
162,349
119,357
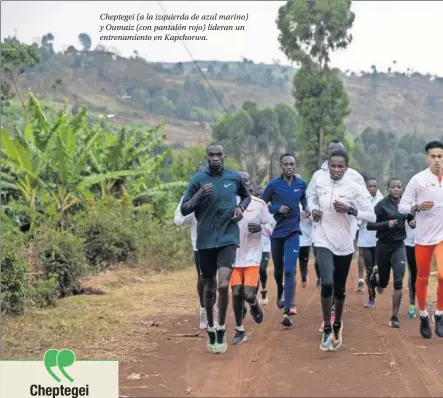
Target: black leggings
303,259
334,272
369,258
264,269
391,256
410,254
317,271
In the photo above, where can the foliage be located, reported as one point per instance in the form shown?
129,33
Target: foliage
61,255
44,292
14,266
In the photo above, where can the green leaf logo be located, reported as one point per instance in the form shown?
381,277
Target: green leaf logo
62,359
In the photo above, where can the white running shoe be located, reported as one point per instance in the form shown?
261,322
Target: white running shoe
203,319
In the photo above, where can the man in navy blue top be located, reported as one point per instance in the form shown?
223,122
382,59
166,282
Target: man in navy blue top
212,196
285,193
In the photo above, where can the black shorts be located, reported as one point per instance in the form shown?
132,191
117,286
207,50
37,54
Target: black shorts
213,259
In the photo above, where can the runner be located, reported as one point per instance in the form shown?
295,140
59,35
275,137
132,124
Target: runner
245,275
333,203
285,193
390,251
412,266
367,241
352,175
191,222
424,196
212,195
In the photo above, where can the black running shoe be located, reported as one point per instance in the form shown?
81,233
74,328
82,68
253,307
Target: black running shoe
394,322
286,320
425,328
438,325
257,312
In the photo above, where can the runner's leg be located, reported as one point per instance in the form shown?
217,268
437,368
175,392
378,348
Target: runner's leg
398,263
203,320
412,267
264,276
361,266
291,253
342,264
369,260
250,281
439,312
423,256
277,249
237,304
303,260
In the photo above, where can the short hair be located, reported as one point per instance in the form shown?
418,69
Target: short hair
394,179
287,154
340,153
214,144
433,145
371,179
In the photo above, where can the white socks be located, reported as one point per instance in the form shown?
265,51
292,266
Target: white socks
437,312
240,328
424,313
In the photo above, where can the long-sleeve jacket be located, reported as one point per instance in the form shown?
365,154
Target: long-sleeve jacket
387,210
279,193
214,212
335,230
187,221
425,186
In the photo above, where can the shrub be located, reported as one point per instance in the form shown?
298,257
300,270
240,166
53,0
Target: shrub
45,292
14,266
108,233
61,254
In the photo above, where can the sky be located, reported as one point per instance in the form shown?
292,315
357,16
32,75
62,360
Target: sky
383,31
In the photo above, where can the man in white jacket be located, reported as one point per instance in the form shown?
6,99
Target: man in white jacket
335,203
351,175
190,222
245,274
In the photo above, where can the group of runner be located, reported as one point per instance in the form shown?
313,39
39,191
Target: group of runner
235,228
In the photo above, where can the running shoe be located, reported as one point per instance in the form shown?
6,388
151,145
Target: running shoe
203,319
425,328
212,340
361,287
240,337
370,304
394,322
286,320
221,346
337,335
281,300
326,340
438,319
264,297
257,312
412,311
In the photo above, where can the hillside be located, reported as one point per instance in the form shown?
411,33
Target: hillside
136,90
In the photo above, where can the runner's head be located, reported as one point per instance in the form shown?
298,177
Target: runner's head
201,166
287,164
395,188
434,154
334,145
215,155
338,164
246,180
372,186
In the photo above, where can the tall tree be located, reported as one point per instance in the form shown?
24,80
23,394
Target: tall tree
309,31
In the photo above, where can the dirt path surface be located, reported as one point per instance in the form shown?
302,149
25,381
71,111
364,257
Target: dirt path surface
277,362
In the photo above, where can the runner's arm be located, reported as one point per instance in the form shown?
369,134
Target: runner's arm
378,225
408,200
190,198
364,211
244,195
266,197
180,219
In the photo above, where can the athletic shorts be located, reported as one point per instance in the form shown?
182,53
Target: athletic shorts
246,276
213,259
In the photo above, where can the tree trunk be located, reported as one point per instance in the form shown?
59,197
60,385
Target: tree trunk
320,148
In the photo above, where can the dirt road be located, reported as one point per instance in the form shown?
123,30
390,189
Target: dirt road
276,362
